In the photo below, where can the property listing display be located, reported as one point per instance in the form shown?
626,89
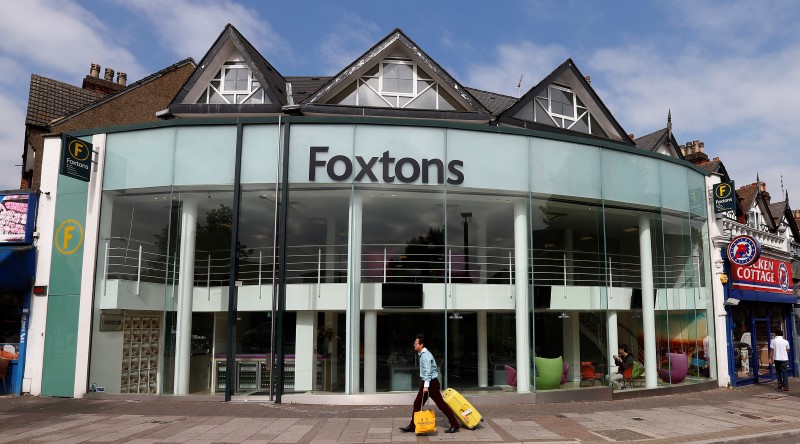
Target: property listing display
13,218
140,354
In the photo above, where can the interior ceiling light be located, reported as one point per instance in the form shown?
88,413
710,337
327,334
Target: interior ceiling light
586,237
563,315
630,229
550,245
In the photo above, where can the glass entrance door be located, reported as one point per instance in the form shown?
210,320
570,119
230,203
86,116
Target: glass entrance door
762,337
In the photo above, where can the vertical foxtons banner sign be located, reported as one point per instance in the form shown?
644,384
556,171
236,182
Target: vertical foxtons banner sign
724,197
76,159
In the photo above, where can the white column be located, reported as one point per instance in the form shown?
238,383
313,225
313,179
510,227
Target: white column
521,295
483,351
370,351
304,356
648,299
330,249
571,329
183,338
613,335
480,251
353,327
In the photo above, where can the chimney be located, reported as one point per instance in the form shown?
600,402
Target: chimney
762,186
122,78
632,136
588,79
105,85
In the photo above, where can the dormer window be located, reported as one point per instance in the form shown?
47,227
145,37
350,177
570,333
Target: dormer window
233,84
559,106
397,83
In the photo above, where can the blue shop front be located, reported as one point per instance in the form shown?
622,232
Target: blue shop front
17,273
759,300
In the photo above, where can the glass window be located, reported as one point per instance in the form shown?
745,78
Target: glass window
398,78
237,79
562,102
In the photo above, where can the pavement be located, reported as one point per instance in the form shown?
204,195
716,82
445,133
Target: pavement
751,414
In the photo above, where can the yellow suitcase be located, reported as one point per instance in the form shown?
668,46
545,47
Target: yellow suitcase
467,414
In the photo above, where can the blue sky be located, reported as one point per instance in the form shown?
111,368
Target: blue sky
728,70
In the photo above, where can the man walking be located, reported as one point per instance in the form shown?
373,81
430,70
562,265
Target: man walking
779,355
429,385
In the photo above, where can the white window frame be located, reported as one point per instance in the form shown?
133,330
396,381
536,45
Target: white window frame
414,77
247,91
571,118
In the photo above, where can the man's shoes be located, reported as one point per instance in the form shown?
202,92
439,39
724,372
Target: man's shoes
451,430
406,429
786,389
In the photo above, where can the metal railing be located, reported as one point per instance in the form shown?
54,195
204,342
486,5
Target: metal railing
141,261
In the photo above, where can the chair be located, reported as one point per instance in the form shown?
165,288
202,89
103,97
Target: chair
627,376
637,374
588,373
511,376
678,368
565,373
548,373
3,370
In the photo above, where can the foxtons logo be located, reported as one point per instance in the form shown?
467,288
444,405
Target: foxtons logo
406,170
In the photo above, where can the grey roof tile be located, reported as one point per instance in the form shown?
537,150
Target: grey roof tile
50,99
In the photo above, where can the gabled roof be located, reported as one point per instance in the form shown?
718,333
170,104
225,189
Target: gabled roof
781,211
302,87
568,71
494,102
751,195
658,139
49,99
315,101
130,88
271,81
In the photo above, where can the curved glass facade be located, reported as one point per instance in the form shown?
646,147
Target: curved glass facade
513,251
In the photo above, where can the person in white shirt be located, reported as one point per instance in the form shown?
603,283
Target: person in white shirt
779,355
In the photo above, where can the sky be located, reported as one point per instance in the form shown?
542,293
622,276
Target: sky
721,67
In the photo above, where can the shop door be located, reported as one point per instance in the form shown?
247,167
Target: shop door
764,371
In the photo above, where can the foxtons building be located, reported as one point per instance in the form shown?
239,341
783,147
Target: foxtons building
287,237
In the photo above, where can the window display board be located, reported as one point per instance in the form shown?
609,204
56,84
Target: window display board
140,354
17,216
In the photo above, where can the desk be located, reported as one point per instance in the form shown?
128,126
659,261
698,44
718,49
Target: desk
403,378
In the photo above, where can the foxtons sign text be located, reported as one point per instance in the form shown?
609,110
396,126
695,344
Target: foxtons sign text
407,170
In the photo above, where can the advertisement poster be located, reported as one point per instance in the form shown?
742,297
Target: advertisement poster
14,218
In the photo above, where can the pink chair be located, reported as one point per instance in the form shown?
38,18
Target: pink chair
678,368
511,376
564,374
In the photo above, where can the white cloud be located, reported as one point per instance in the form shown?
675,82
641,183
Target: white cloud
12,131
188,28
61,37
532,61
350,38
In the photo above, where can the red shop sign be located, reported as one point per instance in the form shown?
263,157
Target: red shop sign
765,274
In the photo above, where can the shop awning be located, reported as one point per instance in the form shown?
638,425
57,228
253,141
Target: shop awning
763,296
17,266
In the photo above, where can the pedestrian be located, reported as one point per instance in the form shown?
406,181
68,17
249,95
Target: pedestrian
622,361
779,355
429,386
